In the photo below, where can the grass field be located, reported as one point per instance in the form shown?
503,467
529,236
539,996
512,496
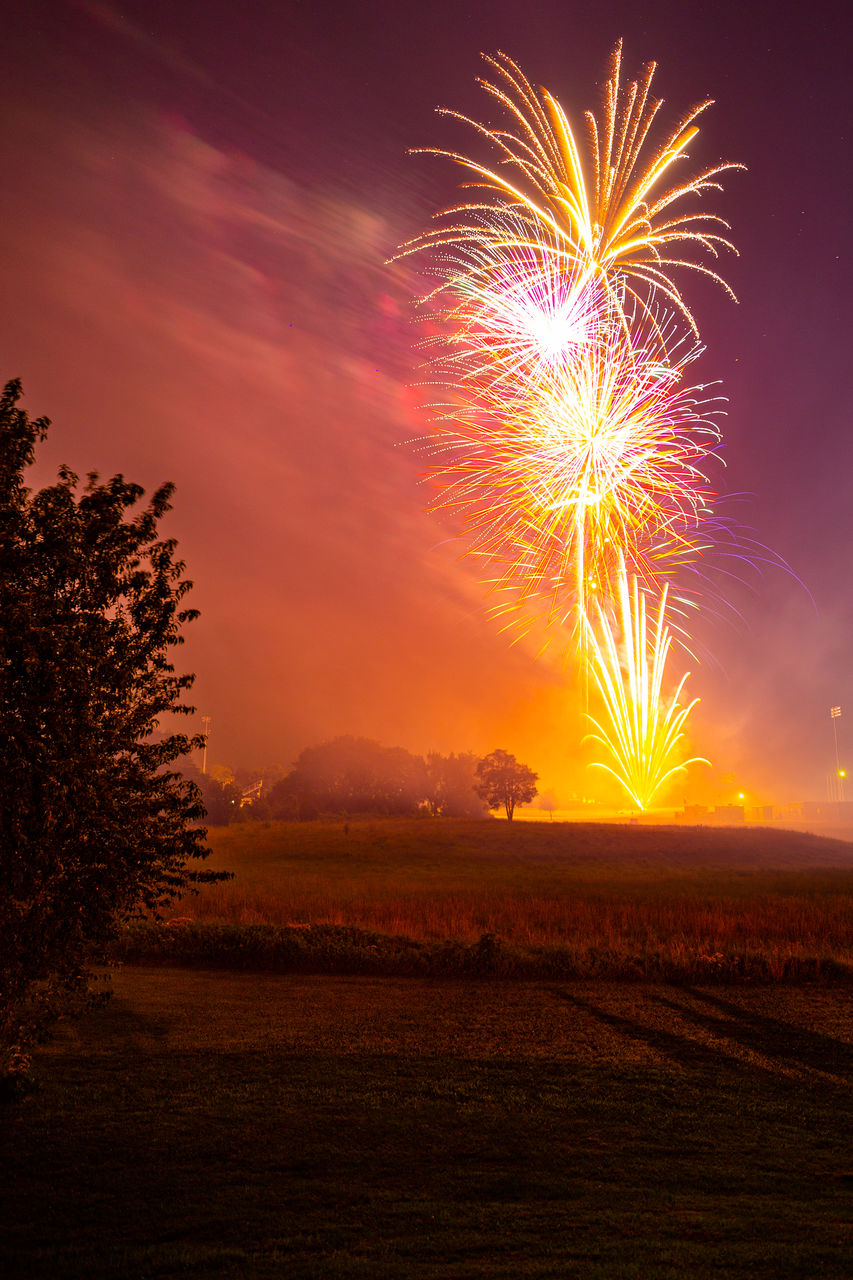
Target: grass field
615,899
316,1128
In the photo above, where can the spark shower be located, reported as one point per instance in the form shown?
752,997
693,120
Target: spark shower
567,436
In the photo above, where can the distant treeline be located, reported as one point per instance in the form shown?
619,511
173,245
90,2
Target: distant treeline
352,775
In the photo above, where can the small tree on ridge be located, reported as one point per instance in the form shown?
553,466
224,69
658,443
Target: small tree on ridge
505,782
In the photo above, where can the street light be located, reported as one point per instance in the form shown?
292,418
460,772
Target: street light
835,714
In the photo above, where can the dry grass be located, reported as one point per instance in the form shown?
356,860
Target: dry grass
676,890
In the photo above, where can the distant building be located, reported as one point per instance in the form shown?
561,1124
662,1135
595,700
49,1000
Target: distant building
729,813
838,812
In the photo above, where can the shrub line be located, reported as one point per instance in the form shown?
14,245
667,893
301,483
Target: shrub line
344,949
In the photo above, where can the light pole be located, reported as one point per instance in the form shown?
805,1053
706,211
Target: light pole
206,723
835,714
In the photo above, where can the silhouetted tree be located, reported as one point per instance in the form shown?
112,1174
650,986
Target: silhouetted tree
505,782
451,785
95,822
286,803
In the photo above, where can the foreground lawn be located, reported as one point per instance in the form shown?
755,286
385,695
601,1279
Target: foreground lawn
221,1124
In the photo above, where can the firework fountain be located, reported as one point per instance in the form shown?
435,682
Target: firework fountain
567,434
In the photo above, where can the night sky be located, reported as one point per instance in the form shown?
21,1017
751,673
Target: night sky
199,201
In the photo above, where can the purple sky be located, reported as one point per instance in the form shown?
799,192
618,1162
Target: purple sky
199,202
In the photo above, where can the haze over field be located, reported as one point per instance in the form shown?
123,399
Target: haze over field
196,236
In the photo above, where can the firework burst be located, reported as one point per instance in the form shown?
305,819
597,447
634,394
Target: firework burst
612,210
515,313
559,477
569,440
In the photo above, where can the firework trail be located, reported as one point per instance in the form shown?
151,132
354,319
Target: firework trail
644,728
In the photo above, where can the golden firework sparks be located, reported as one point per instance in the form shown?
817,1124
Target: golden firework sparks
641,727
613,210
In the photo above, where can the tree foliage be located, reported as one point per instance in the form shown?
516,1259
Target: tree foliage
503,782
350,775
451,784
221,798
95,822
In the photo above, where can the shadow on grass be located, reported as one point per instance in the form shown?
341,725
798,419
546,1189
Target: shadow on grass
684,1050
771,1037
119,1020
